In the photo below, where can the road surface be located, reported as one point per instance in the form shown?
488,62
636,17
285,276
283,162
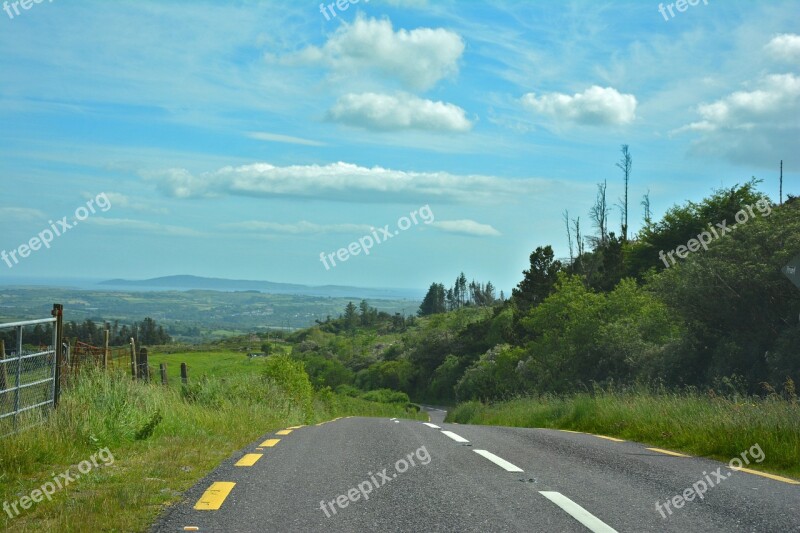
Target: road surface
375,474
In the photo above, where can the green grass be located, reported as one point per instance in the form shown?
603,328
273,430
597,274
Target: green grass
163,439
706,426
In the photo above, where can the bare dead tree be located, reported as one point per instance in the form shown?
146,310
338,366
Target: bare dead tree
648,215
625,165
576,225
599,214
569,236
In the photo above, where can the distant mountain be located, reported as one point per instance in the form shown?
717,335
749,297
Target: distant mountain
185,282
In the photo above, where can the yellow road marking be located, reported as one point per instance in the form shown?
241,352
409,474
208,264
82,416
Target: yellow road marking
567,430
269,443
214,496
609,438
249,459
764,474
191,528
296,427
659,450
284,432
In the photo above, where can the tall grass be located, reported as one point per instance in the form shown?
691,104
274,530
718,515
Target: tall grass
163,440
707,426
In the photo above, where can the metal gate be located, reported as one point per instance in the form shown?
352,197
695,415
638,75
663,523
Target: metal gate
29,381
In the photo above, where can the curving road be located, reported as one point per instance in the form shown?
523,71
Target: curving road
372,474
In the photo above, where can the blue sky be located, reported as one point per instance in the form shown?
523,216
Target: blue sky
242,139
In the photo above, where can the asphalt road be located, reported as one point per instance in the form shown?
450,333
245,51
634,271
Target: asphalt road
374,474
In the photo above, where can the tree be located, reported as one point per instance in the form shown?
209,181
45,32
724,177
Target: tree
539,280
350,317
434,301
599,213
625,165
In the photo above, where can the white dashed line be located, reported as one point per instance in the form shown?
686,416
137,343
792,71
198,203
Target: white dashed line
578,513
502,463
434,426
457,438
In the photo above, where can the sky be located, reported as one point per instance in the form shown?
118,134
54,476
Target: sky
292,141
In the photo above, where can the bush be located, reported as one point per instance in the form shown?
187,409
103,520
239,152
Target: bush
386,396
291,376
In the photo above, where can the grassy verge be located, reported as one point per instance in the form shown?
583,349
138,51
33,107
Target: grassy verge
163,439
699,425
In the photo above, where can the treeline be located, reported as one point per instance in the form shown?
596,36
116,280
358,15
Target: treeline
438,299
146,332
697,300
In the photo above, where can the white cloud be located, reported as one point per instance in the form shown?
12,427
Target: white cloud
276,137
467,227
298,228
402,112
596,106
418,58
344,182
146,226
756,126
785,47
118,200
20,214
775,104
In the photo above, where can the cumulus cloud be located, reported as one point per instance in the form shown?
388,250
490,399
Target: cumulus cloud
401,112
298,228
343,182
756,126
467,227
596,106
785,47
418,58
775,104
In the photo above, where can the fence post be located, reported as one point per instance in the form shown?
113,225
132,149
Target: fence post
106,334
133,359
184,374
144,368
58,338
164,380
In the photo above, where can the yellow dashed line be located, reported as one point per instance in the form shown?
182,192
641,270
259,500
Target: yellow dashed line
191,528
609,438
659,450
568,430
284,432
764,474
269,443
249,459
296,427
214,496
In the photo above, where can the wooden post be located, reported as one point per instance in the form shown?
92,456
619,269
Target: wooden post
58,312
134,373
106,334
144,368
164,380
184,374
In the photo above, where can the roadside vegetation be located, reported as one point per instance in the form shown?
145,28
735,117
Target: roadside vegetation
163,439
703,425
705,344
